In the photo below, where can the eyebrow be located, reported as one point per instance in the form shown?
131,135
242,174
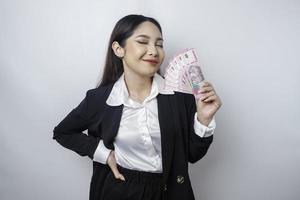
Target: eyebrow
146,36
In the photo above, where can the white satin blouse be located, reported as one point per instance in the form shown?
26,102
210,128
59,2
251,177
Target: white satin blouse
138,142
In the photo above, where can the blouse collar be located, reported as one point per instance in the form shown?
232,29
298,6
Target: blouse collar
119,94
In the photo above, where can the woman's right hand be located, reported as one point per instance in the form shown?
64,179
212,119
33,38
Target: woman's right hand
112,163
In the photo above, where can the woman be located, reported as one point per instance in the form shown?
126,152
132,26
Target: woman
140,136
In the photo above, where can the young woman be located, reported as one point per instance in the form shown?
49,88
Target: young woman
140,136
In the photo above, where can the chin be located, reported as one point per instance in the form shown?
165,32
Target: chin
148,72
152,73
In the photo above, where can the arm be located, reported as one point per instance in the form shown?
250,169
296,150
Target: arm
69,132
101,154
202,130
198,145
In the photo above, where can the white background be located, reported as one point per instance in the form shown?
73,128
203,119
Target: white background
52,52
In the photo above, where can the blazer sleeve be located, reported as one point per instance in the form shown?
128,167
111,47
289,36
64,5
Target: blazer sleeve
198,146
69,132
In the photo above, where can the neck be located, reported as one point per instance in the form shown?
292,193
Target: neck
138,86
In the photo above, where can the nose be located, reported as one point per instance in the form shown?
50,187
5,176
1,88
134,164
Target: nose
153,50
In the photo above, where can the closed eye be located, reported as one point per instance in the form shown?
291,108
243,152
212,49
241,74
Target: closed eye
142,42
145,42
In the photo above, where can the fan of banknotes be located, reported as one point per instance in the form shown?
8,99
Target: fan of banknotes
184,74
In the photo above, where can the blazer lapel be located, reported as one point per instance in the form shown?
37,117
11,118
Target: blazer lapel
167,132
110,124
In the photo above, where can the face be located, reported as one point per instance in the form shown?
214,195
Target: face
143,50
195,74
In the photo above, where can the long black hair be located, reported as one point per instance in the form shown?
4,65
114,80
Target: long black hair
124,28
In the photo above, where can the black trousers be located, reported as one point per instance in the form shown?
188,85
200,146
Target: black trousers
138,185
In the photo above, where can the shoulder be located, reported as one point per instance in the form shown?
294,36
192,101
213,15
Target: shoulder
99,93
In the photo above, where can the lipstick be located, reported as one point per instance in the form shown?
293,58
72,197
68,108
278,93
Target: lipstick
153,62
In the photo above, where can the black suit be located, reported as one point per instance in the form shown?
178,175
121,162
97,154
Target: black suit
179,142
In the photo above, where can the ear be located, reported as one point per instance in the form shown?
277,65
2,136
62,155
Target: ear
118,50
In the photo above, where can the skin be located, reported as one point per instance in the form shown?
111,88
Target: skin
147,43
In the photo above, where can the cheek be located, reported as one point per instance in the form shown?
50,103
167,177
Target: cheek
135,50
162,54
139,50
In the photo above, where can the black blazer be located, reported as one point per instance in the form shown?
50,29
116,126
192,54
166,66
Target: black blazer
179,142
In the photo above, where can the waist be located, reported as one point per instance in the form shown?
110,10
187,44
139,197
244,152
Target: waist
140,176
138,159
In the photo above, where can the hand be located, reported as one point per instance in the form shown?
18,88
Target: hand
208,103
112,163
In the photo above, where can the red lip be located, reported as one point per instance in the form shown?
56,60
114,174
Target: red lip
151,61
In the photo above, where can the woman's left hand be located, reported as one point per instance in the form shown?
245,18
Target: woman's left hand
208,103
